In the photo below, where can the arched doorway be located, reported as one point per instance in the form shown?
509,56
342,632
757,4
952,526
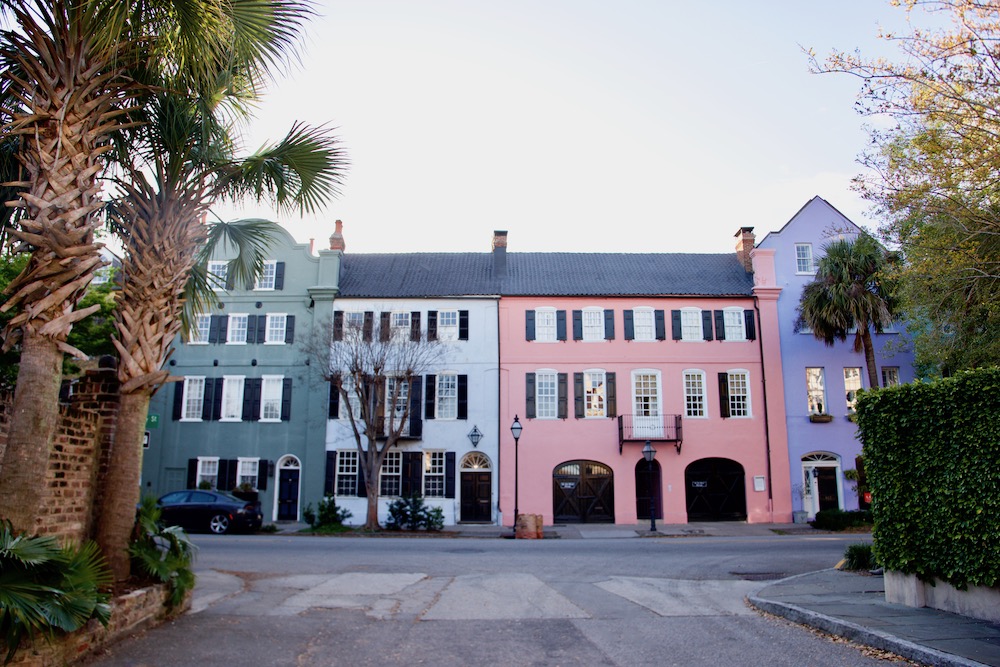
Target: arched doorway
715,490
647,485
821,483
476,488
583,492
288,489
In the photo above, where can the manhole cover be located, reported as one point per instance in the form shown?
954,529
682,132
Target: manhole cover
759,576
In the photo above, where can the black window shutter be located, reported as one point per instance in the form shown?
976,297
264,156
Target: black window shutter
207,399
262,466
463,325
629,325
609,324
261,328
279,275
706,324
430,385
330,474
432,325
563,391
178,400
217,400
286,399
751,324
577,325
659,318
334,403
675,324
529,325
213,329
724,394
611,394
290,329
192,477
415,326
223,329
463,396
251,329
362,489
368,326
383,326
338,325
560,325
720,325
449,474
578,397
416,423
251,399
227,474
529,395
412,474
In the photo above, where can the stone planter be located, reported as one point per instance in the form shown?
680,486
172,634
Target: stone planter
976,601
821,419
800,516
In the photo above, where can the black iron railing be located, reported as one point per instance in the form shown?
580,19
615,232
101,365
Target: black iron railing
659,428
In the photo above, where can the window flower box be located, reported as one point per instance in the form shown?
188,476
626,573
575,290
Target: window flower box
821,418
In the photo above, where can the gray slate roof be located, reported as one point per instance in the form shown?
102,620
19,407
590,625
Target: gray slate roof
414,275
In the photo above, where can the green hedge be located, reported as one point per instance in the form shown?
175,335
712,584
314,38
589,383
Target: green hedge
932,458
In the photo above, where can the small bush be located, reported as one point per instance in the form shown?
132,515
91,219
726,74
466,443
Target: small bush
841,520
411,513
859,557
326,514
163,554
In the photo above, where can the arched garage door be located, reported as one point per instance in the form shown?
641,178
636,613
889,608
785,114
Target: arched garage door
715,491
583,492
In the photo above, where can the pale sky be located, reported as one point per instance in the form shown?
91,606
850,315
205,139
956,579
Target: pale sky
577,125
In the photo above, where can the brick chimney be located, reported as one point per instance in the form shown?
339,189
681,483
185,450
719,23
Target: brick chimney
500,254
337,238
744,245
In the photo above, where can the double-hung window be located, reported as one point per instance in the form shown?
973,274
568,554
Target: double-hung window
593,324
266,279
246,471
644,326
447,325
446,402
804,258
232,398
347,473
274,331
399,324
694,394
890,376
352,398
201,329
394,410
390,477
545,325
434,469
735,324
217,272
852,384
194,398
691,324
546,395
270,398
646,419
237,329
595,395
208,470
739,394
816,390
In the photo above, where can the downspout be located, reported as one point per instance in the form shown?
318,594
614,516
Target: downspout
767,420
499,428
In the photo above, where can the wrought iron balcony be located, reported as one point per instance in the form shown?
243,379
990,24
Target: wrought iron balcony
639,428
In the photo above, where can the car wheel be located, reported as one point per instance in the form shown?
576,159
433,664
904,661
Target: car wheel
219,524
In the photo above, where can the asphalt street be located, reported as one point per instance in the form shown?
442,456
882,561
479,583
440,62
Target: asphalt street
308,601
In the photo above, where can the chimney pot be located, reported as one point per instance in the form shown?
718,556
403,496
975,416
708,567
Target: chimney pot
337,238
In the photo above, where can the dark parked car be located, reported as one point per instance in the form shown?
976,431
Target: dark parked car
214,511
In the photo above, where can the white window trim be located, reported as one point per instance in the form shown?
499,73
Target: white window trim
215,282
184,399
267,263
229,329
652,324
267,328
743,324
592,310
228,384
202,460
704,391
555,325
281,389
555,401
396,457
437,396
749,394
861,385
345,457
197,330
812,258
659,389
244,461
701,325
826,403
591,371
427,475
447,332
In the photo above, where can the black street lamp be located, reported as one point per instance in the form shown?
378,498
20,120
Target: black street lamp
515,430
649,454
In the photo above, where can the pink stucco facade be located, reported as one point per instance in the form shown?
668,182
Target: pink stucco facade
743,456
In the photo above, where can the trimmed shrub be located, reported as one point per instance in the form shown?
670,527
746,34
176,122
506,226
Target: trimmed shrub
411,513
326,514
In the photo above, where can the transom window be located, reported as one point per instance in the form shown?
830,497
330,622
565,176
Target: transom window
217,272
246,471
270,398
447,325
804,258
208,470
194,397
852,384
265,281
694,394
237,332
643,324
646,390
735,328
232,398
816,390
739,394
347,473
446,404
890,376
390,477
275,329
593,324
546,395
434,474
691,324
545,325
594,383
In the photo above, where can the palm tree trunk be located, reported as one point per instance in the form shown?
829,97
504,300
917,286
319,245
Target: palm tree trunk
120,489
34,418
866,343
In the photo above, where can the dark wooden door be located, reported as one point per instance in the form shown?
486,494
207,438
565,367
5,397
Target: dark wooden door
715,491
647,486
476,494
288,494
826,484
583,492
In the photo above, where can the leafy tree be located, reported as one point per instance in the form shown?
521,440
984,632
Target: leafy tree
851,295
934,172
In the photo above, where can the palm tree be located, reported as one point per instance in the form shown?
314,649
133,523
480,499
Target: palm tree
173,167
71,65
851,295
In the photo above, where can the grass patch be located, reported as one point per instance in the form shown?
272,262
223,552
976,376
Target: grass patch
859,557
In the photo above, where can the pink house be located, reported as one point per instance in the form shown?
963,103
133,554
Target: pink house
604,352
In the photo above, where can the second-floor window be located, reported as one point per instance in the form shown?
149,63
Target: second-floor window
237,332
202,329
232,398
447,325
545,325
595,395
268,274
816,390
270,397
446,402
694,394
194,398
274,331
646,391
546,395
804,258
735,326
739,394
852,385
217,272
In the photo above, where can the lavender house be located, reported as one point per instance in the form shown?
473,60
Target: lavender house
820,381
